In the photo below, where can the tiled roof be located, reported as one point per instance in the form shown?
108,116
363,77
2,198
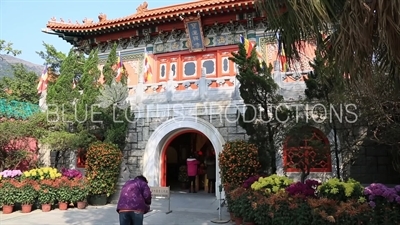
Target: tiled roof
17,110
149,15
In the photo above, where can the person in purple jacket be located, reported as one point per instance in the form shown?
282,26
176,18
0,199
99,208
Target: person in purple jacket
134,201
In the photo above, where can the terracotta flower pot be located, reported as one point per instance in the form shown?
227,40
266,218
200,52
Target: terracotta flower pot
238,221
26,208
7,209
62,206
81,205
232,217
46,207
249,223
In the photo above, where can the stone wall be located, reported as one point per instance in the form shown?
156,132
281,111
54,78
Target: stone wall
139,133
374,165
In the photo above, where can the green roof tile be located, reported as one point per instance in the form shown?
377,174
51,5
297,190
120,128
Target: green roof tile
17,110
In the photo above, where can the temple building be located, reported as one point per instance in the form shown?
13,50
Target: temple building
189,103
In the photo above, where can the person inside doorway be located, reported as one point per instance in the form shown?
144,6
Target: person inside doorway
210,163
134,201
192,164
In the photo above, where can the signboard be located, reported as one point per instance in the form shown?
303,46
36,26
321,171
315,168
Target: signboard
194,31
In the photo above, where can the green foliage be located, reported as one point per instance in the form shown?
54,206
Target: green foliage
21,87
79,190
109,71
115,112
47,193
258,88
60,94
341,190
8,48
64,191
272,184
103,167
52,57
27,192
8,192
61,140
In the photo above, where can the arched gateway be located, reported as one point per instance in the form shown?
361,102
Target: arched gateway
152,159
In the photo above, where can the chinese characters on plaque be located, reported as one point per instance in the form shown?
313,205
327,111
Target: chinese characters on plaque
194,32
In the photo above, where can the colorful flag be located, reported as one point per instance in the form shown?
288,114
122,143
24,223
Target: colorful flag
247,45
282,56
119,68
147,68
42,86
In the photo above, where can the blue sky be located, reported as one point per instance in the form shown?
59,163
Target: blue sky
21,21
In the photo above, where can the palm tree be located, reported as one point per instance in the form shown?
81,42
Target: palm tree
360,36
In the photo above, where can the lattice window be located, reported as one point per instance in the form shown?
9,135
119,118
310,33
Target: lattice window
313,152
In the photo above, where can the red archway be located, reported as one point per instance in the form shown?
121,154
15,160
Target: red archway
301,151
163,158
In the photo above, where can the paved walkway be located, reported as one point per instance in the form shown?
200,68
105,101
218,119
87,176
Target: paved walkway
187,209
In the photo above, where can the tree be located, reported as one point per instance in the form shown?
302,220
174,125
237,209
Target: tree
109,69
8,48
61,102
21,87
52,57
325,86
259,90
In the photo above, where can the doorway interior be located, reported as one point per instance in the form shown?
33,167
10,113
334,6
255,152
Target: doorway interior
177,150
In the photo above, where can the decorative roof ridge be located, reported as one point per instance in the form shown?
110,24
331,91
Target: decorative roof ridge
141,12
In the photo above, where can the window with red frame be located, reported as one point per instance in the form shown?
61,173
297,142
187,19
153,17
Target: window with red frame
313,151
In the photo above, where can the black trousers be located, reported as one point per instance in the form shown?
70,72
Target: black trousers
192,180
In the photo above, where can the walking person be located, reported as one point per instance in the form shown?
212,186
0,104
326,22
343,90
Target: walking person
192,164
211,170
134,201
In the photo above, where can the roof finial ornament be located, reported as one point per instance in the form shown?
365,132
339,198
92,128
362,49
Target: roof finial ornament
102,17
61,20
53,19
87,21
142,8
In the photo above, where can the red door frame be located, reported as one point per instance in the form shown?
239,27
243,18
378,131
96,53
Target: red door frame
163,158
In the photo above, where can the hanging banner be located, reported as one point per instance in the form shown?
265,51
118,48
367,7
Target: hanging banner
194,31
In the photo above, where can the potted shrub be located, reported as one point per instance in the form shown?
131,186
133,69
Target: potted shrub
248,212
27,194
8,195
238,161
79,192
183,177
47,194
64,194
102,171
238,201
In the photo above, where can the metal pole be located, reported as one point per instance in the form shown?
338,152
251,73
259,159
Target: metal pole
220,220
219,210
